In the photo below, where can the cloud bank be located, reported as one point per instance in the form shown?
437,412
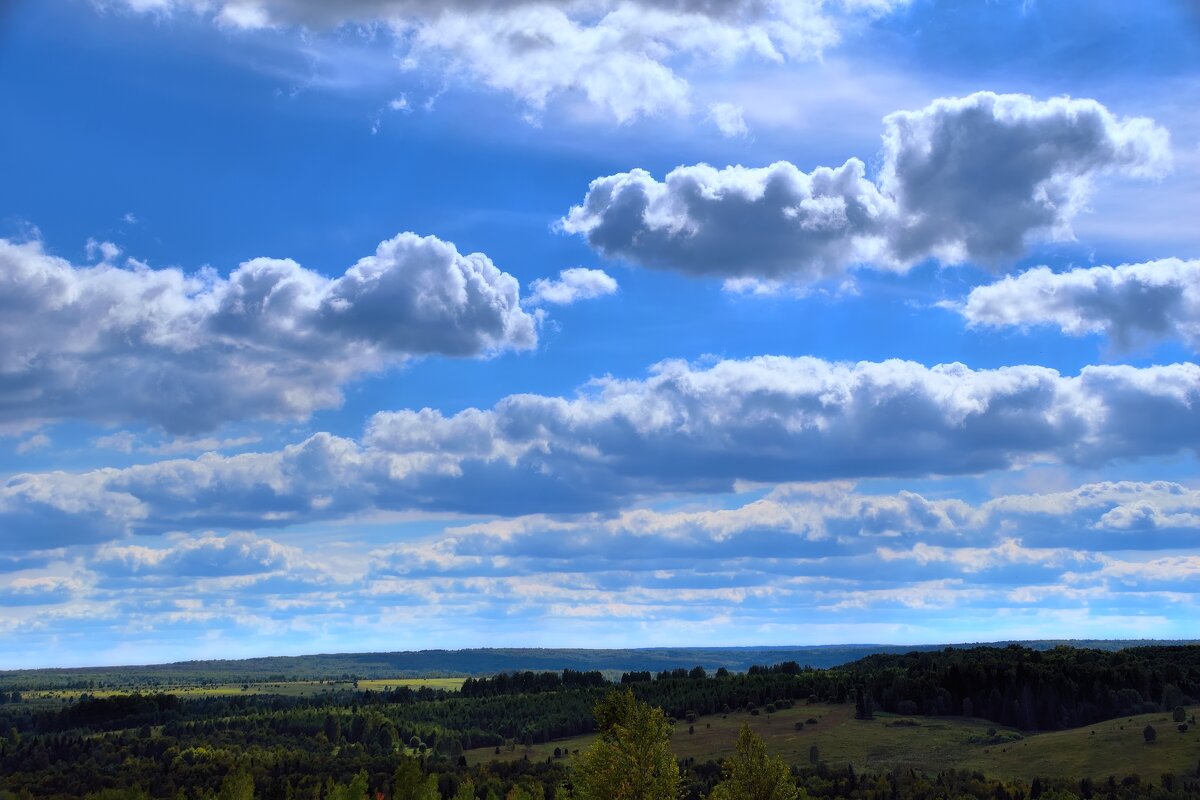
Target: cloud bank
963,179
189,352
817,554
683,429
624,57
1130,305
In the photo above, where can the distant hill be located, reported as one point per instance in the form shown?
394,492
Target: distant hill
476,662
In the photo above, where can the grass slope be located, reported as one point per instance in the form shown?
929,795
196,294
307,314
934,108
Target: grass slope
933,744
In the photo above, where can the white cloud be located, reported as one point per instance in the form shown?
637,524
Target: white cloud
729,119
1130,305
39,441
105,252
624,57
273,339
774,222
966,179
683,429
572,285
206,556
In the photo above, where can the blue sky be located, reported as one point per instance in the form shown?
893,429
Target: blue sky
595,323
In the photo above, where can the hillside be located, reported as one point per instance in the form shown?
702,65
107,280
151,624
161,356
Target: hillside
473,662
937,744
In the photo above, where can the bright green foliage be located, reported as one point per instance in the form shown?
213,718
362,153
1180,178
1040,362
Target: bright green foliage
466,791
631,759
753,775
355,790
411,783
237,785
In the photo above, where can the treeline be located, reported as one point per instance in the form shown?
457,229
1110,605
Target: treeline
432,663
1029,689
532,682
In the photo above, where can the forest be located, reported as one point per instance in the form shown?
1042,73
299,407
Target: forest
403,742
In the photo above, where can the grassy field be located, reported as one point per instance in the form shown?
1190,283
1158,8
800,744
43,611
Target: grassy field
1116,748
289,688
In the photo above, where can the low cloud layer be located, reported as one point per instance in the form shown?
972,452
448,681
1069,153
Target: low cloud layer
1130,305
963,179
626,58
682,429
189,352
924,568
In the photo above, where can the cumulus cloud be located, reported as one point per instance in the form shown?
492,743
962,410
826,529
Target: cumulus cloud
189,352
572,285
1130,304
623,56
963,179
682,429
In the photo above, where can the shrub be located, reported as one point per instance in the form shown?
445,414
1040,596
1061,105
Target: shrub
1149,734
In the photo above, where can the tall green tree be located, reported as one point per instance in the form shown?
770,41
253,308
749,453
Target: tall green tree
238,785
631,759
411,783
753,775
355,790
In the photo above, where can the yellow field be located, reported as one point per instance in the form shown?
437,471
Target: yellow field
289,688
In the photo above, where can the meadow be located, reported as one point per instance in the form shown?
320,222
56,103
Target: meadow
311,688
930,744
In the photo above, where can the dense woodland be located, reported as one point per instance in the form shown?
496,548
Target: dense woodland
343,741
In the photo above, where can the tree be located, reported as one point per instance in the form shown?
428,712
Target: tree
466,791
631,759
863,706
355,790
1178,715
238,785
753,775
1149,734
409,782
